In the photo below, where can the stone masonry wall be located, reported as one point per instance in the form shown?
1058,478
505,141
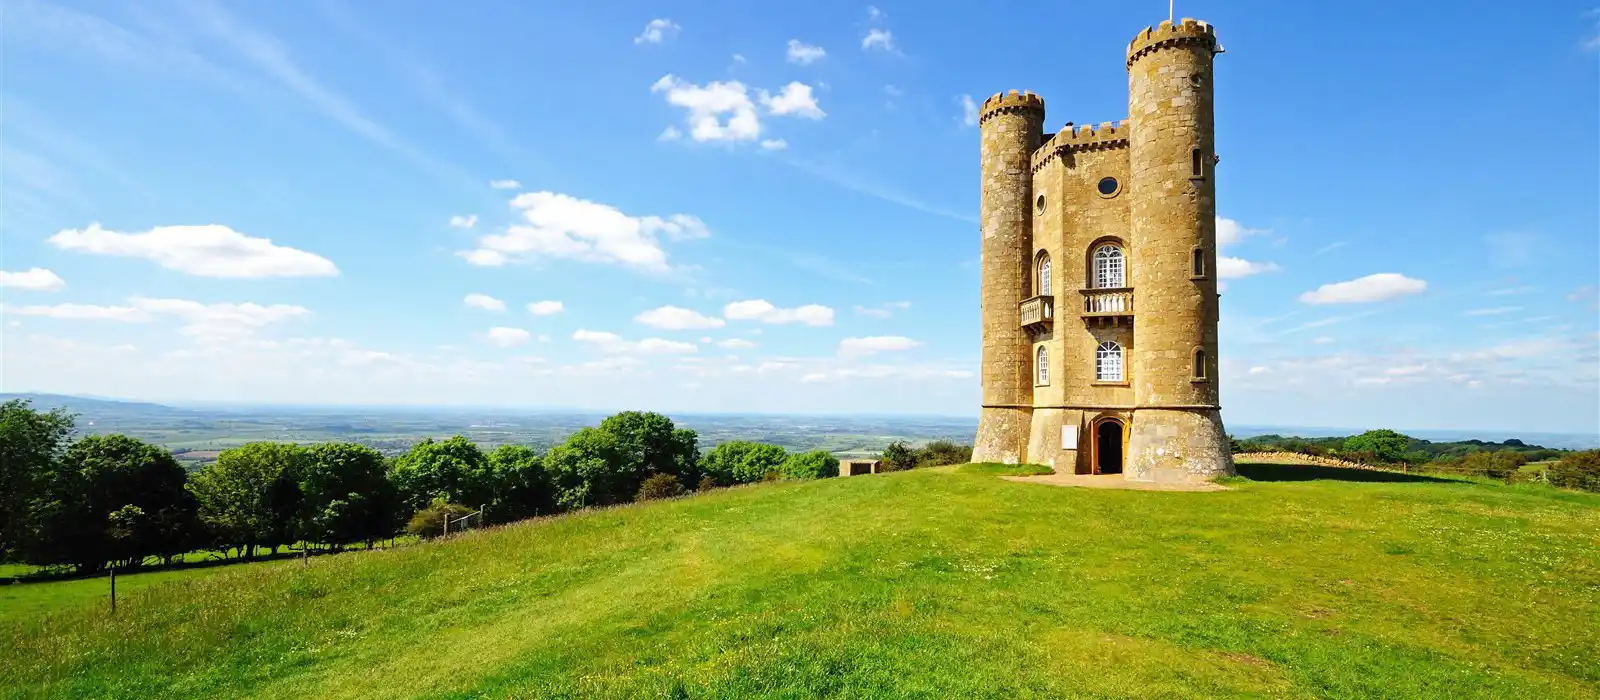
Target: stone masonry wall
1011,127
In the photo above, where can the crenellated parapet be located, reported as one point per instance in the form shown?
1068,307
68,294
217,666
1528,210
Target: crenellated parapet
1186,32
1010,103
1070,139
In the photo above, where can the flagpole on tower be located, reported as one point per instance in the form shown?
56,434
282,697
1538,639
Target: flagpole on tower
1169,11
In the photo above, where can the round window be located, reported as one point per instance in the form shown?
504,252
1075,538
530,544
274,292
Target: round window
1108,186
1039,203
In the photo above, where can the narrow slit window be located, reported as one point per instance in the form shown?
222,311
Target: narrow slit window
1196,164
1042,361
1108,362
1199,364
1198,265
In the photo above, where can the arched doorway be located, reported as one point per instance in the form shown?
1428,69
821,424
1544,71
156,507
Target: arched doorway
1108,446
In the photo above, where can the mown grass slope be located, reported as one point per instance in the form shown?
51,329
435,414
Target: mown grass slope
935,583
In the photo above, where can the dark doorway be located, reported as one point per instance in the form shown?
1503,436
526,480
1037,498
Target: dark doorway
1108,447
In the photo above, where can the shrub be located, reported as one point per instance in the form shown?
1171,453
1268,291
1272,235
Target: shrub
773,475
742,461
816,464
1576,470
942,452
658,486
707,483
898,456
429,522
1385,445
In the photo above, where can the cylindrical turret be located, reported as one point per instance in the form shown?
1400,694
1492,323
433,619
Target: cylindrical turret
1011,126
1177,430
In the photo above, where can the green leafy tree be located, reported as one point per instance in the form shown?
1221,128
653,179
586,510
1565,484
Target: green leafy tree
817,464
649,443
250,496
522,488
346,495
102,475
31,443
584,470
1384,445
742,462
454,469
898,456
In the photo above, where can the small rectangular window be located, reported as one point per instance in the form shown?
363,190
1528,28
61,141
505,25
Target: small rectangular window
1199,364
1197,164
1197,267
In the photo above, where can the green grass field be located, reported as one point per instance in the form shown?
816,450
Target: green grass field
931,583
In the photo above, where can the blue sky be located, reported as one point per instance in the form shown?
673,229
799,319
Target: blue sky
329,203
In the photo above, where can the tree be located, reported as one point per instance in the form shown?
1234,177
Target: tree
346,495
898,456
1576,470
584,470
522,487
246,495
660,486
742,462
649,443
31,443
114,498
453,469
942,452
817,464
1384,445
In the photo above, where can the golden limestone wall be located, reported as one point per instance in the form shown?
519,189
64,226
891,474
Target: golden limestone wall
1011,127
1177,432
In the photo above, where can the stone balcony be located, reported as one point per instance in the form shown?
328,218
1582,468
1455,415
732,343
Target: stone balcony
1113,306
1038,312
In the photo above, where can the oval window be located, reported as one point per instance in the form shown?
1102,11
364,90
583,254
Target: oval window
1039,204
1108,186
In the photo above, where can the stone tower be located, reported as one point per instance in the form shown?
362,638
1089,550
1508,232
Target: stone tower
1099,297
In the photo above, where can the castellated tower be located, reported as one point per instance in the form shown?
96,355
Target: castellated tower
1099,297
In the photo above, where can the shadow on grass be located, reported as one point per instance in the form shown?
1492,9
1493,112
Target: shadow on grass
1298,472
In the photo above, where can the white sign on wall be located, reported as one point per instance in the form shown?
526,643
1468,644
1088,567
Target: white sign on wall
1069,437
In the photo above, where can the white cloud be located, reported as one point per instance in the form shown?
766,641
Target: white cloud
736,344
1510,291
883,310
774,144
1379,287
507,337
873,13
881,39
670,133
212,250
803,53
738,58
1230,232
484,301
559,226
1234,268
505,184
795,99
467,221
615,344
677,319
657,31
545,308
856,347
708,104
969,110
1324,340
35,279
761,310
1258,369
1495,311
1405,370
83,312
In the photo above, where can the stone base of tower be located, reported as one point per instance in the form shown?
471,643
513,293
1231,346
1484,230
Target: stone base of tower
1002,435
1177,446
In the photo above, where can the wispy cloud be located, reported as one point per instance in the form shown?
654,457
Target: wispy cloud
855,183
1332,247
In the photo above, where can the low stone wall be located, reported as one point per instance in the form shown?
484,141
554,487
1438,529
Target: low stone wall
1297,458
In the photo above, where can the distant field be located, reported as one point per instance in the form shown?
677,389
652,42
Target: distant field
1295,583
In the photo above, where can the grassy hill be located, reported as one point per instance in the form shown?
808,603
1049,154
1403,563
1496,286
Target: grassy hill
933,583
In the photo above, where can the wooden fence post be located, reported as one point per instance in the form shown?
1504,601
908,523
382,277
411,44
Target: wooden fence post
113,590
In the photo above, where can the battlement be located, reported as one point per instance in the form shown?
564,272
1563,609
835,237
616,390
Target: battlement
1107,135
1168,34
1011,102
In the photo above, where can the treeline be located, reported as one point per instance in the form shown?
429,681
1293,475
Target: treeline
899,456
113,500
1503,461
1392,447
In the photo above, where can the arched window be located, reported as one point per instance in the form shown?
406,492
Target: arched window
1044,274
1199,363
1042,364
1108,362
1109,270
